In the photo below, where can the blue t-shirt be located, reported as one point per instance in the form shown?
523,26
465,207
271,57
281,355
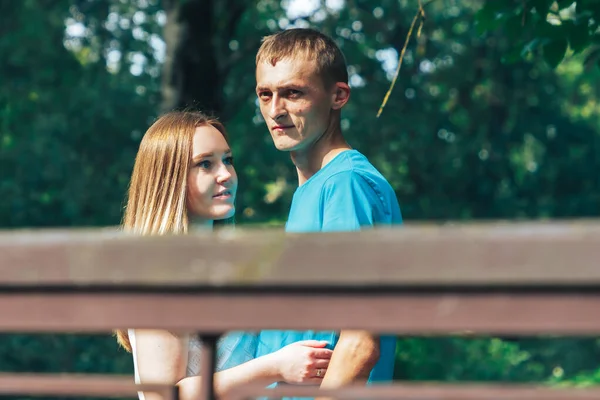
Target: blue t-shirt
347,194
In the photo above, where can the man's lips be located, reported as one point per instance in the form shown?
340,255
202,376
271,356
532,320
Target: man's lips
282,127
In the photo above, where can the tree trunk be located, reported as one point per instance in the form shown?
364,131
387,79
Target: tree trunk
190,76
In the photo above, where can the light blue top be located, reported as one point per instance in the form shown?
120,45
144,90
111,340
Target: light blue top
347,194
235,348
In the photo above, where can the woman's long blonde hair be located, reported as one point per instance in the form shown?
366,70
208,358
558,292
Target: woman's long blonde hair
157,195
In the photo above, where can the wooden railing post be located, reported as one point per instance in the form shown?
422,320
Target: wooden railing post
208,363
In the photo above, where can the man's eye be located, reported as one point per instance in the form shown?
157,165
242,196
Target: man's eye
264,95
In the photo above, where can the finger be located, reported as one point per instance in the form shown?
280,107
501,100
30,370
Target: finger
313,343
322,364
322,353
312,381
318,373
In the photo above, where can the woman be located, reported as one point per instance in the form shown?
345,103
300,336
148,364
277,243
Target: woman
183,179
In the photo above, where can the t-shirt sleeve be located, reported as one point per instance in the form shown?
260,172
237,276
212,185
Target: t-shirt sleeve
346,202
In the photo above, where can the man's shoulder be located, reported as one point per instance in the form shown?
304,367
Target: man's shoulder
358,181
353,166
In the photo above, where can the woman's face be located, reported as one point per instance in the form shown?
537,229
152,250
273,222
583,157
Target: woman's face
212,181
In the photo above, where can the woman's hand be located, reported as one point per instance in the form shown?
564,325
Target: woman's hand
303,362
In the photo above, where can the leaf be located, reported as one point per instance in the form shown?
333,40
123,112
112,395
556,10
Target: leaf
541,6
546,30
582,10
512,56
562,4
592,57
530,46
554,51
588,8
514,27
490,17
578,34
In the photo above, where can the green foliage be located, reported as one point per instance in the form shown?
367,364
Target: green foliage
477,127
554,29
554,361
69,353
69,129
74,353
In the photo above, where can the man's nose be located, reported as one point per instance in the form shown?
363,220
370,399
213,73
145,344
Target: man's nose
277,109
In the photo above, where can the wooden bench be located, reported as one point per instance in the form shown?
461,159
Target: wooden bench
498,279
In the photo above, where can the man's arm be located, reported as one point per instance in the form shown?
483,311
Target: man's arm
355,355
348,206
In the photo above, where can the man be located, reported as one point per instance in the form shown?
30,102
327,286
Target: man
302,85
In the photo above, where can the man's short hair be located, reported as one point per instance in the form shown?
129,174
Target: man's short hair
306,44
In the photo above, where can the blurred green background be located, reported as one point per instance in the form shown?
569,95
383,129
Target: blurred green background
495,115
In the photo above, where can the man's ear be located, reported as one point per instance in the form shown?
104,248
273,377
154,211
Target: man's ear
341,95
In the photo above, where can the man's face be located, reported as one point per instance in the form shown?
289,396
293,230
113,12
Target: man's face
294,102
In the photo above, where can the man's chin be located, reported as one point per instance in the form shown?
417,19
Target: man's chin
288,146
284,148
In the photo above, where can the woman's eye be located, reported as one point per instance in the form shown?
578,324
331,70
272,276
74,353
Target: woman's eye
228,160
204,164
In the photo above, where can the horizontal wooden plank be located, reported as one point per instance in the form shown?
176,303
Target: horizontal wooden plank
78,385
428,391
540,253
217,313
108,386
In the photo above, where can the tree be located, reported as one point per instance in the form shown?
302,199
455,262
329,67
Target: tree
464,135
553,29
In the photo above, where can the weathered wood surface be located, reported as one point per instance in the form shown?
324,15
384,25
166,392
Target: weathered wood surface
535,254
78,386
412,314
108,386
430,391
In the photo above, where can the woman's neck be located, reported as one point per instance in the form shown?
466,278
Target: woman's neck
200,224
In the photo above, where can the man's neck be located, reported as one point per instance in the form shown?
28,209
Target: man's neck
308,162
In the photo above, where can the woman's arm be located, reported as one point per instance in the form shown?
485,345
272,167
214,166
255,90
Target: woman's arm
161,357
262,370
